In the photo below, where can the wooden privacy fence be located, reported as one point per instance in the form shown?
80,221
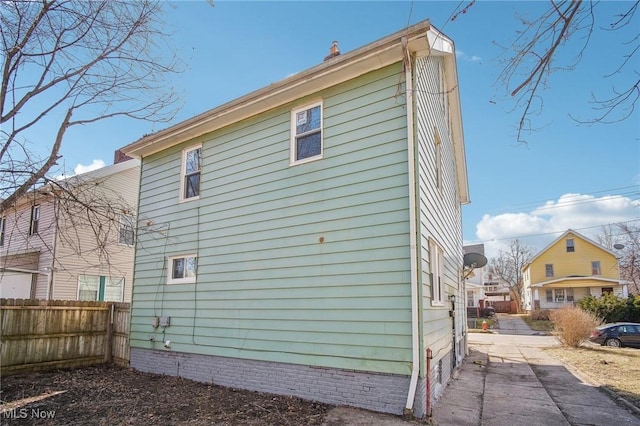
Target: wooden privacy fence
40,334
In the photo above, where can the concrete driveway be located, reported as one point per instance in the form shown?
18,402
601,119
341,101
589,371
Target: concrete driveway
509,380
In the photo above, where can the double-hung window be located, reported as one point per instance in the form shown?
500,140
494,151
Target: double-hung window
437,273
548,270
595,268
35,220
3,224
101,288
126,232
182,269
438,160
558,295
191,168
306,133
570,245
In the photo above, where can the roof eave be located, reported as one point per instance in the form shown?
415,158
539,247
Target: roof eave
376,55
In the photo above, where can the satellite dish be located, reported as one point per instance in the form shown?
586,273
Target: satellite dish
474,260
618,246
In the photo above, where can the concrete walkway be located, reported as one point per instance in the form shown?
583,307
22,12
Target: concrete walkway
509,380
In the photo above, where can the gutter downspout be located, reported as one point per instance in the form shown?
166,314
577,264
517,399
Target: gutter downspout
415,334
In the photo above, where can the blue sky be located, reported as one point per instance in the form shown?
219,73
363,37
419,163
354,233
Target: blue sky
567,176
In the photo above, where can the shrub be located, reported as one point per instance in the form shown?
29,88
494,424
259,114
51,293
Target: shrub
612,308
540,315
574,325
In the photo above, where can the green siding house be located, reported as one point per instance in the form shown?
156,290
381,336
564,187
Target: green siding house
305,239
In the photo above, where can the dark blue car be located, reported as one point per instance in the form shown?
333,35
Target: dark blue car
617,334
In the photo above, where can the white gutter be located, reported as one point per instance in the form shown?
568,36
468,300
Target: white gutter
415,335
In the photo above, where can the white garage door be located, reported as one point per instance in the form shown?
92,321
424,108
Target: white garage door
15,285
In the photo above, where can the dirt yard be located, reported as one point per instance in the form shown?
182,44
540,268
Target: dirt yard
109,395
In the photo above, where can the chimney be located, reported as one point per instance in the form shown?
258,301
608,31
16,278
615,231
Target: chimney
333,52
119,157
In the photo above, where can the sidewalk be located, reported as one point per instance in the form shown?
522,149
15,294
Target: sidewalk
509,380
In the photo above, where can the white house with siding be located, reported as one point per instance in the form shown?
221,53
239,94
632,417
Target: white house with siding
306,238
53,247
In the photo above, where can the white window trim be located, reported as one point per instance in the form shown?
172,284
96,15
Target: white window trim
559,299
438,162
187,280
121,219
436,256
549,272
292,140
183,172
34,221
3,225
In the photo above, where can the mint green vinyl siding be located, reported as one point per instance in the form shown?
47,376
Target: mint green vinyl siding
439,211
305,264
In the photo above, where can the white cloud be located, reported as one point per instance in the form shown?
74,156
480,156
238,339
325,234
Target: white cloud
95,165
539,227
80,168
464,57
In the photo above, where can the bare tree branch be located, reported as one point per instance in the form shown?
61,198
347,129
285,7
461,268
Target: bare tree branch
507,266
81,62
623,239
533,57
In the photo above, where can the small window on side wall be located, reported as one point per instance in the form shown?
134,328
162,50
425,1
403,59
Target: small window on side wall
126,233
3,224
306,133
548,270
35,220
182,269
438,161
570,246
436,257
190,174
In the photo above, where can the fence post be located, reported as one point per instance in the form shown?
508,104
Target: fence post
108,345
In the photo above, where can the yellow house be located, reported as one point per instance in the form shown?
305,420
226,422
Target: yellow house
570,268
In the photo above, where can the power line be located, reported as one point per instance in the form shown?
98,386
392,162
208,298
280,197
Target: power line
550,233
531,205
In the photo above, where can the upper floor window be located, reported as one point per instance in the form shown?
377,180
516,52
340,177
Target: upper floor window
3,224
35,220
442,87
595,268
438,161
570,245
306,133
126,231
191,168
182,269
548,270
437,274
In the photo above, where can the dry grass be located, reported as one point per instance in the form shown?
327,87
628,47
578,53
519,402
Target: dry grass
573,325
538,325
491,323
617,369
